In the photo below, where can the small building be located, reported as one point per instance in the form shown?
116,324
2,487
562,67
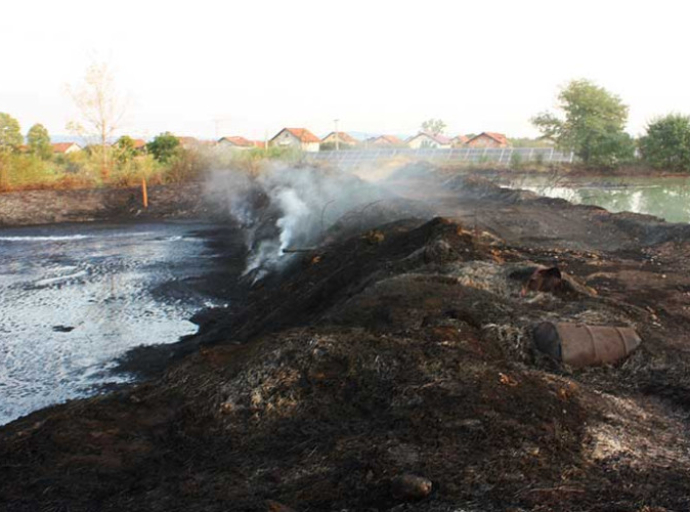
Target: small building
425,140
459,141
385,141
188,142
65,148
139,144
488,140
342,138
236,142
299,138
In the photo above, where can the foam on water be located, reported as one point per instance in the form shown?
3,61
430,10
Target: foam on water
72,304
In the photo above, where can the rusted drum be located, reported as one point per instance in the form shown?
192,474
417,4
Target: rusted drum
585,345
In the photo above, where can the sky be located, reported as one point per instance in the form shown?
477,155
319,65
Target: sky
210,69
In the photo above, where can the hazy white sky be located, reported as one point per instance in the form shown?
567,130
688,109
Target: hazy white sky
378,66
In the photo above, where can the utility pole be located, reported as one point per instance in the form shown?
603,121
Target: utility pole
337,135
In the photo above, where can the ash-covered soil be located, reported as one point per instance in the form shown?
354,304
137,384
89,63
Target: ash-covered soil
401,349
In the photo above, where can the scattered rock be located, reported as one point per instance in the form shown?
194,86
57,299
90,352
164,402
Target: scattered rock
62,328
275,506
410,487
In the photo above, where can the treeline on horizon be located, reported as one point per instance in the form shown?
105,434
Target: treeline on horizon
32,164
590,121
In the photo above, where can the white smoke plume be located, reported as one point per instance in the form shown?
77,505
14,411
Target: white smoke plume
287,207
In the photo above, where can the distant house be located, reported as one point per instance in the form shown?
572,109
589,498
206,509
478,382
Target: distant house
65,148
139,144
385,140
236,142
488,140
188,142
428,140
459,141
261,144
299,138
341,137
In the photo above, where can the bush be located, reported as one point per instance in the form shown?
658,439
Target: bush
186,165
609,149
138,168
21,171
164,147
330,146
667,143
515,160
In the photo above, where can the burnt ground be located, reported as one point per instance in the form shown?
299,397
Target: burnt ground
403,349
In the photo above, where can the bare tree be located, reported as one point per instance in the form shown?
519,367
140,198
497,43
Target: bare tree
100,106
434,126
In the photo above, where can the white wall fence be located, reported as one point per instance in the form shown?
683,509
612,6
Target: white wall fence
350,158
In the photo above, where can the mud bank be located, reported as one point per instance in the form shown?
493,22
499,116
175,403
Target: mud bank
403,349
36,207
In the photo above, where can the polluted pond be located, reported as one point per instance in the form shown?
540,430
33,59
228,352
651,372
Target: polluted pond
393,365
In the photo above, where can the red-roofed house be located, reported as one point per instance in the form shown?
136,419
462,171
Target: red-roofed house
300,138
428,140
459,141
488,140
188,142
385,140
236,142
66,148
139,144
343,139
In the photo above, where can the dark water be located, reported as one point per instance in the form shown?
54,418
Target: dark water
74,298
667,198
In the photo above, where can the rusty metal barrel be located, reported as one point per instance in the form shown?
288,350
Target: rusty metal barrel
585,345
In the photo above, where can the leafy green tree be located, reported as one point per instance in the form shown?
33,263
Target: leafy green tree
10,133
592,124
666,144
38,140
125,149
433,126
163,146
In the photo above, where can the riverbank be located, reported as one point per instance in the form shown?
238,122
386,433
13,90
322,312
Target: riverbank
578,171
403,349
35,207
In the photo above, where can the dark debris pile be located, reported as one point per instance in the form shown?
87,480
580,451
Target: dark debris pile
393,370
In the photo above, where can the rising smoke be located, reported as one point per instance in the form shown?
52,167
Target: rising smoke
287,207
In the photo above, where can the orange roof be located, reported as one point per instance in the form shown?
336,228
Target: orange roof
498,137
461,138
390,139
187,141
342,137
302,134
259,144
237,141
139,143
62,147
441,139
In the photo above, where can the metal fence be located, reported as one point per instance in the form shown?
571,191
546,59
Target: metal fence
349,159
